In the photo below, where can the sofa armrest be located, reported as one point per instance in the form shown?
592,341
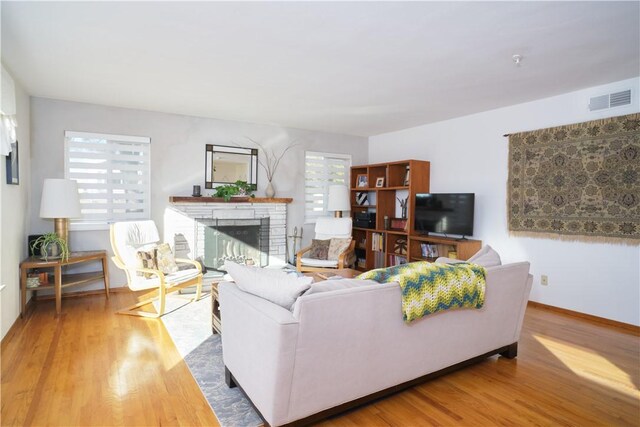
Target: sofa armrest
259,344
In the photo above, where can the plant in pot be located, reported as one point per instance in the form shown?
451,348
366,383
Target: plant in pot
51,246
237,189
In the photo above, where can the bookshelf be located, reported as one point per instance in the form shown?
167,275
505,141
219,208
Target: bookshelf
382,246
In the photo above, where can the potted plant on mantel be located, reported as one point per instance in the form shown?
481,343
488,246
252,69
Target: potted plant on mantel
51,246
240,190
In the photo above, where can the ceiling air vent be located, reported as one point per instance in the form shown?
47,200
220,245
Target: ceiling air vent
611,100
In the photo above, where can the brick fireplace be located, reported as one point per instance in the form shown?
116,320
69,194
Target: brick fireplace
252,231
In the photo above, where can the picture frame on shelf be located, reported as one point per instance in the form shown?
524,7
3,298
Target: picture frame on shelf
380,182
398,224
362,199
361,181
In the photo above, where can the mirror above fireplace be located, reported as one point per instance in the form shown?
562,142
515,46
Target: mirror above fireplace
226,165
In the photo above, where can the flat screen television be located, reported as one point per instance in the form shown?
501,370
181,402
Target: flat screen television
445,213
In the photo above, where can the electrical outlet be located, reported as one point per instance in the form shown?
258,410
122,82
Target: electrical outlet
544,280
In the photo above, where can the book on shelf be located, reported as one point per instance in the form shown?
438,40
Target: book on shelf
377,242
397,260
428,251
378,260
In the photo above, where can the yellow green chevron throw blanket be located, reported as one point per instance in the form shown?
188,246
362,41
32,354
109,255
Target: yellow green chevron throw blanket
428,288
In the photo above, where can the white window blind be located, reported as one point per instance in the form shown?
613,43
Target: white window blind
113,175
320,171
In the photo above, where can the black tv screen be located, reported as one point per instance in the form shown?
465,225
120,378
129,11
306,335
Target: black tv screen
444,213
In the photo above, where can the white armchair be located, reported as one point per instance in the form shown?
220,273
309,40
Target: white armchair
127,238
327,228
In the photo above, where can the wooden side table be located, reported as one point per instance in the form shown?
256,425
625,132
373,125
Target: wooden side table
346,273
63,280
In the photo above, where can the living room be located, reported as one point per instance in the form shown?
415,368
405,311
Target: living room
198,74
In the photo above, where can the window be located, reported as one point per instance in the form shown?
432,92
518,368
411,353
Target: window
112,172
320,171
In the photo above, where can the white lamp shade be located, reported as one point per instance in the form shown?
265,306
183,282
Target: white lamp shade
60,199
338,198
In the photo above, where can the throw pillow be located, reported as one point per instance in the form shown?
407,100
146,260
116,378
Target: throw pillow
319,249
273,285
165,260
146,259
486,257
336,247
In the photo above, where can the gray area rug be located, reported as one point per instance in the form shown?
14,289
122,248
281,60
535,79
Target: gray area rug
190,328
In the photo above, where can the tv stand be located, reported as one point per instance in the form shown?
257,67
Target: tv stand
464,248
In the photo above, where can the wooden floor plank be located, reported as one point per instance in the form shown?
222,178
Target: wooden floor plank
93,367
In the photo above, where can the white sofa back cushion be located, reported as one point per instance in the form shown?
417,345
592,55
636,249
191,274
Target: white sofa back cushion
332,285
276,286
486,257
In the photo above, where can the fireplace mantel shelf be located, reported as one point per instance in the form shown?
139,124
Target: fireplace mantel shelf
190,199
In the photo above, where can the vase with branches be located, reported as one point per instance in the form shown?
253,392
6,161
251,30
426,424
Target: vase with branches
270,164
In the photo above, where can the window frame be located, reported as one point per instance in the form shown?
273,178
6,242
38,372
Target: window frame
88,224
348,163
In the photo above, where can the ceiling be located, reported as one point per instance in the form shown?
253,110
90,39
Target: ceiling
359,68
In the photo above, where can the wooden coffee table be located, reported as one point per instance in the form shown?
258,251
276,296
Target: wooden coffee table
347,273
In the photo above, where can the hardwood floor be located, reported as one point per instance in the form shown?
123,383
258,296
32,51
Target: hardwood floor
92,367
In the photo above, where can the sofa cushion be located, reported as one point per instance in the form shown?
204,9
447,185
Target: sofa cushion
333,285
319,249
486,257
336,247
276,286
337,284
325,263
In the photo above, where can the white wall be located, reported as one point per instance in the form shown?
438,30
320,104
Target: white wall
14,218
469,154
177,157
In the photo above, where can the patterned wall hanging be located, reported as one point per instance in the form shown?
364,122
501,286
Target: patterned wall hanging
577,182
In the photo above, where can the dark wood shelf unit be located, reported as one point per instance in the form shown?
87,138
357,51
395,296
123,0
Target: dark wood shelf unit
383,201
464,249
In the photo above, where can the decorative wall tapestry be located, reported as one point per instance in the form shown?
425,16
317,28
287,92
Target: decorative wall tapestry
577,182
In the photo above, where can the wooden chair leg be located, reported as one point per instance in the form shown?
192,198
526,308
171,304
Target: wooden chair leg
131,312
163,300
198,289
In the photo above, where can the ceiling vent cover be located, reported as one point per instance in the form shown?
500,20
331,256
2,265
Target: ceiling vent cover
611,100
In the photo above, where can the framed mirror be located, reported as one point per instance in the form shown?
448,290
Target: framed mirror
226,165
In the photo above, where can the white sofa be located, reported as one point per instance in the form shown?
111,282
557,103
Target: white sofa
341,348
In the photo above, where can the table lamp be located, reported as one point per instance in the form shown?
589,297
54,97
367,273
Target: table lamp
60,201
338,200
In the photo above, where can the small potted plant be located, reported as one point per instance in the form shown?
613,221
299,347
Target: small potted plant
51,246
238,189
